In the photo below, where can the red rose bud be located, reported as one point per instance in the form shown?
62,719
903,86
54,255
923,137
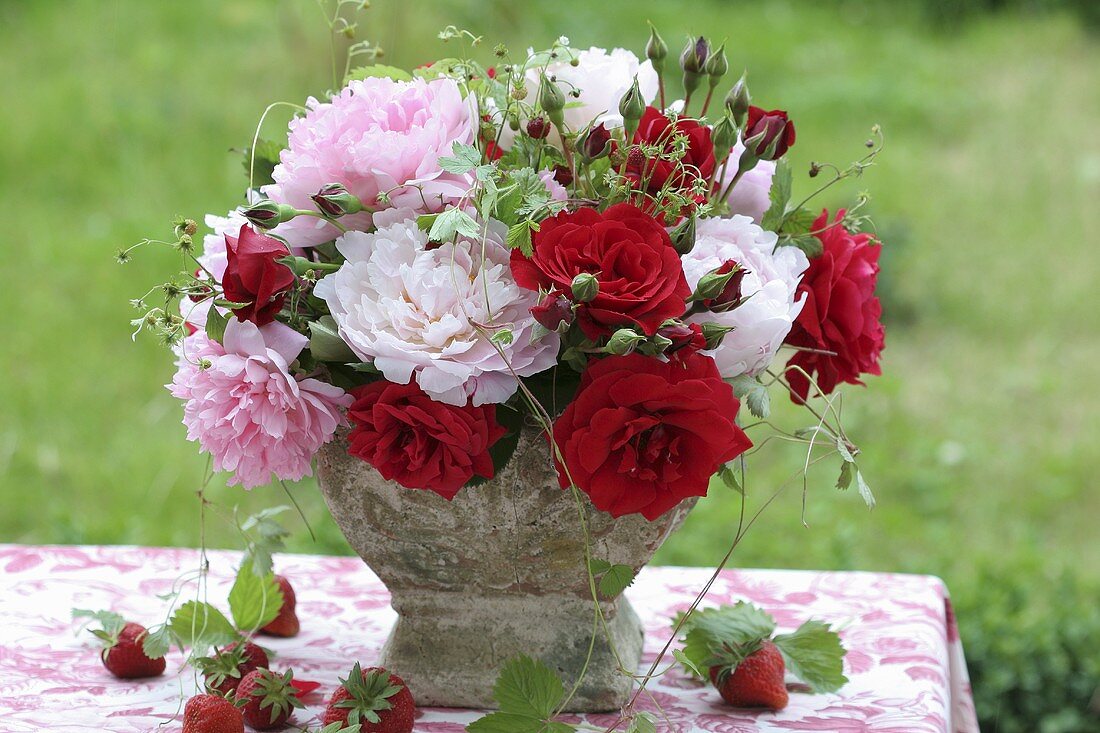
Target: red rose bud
713,333
692,60
335,201
596,144
254,276
683,336
563,175
713,285
585,287
738,102
553,312
538,128
730,297
683,236
768,134
266,214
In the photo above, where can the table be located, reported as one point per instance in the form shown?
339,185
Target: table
905,662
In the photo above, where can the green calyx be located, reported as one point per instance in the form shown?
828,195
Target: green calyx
370,693
276,692
222,665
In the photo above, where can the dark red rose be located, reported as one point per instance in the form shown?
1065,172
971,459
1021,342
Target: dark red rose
597,143
253,276
418,442
641,281
643,434
686,338
841,315
697,163
731,294
764,127
552,311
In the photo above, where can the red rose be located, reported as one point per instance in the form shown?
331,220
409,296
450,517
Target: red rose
418,442
253,276
642,435
641,281
763,128
841,315
657,130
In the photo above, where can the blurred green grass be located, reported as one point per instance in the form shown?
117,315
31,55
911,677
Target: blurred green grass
981,442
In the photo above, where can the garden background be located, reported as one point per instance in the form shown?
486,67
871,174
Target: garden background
981,442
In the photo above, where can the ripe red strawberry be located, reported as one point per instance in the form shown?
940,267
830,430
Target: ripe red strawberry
374,698
226,668
286,623
211,714
122,654
268,699
757,682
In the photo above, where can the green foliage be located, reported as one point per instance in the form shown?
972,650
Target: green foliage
814,654
612,579
754,394
528,694
1031,648
200,625
254,599
377,71
325,343
263,164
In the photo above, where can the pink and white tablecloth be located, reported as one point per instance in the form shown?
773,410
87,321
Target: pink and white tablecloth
905,662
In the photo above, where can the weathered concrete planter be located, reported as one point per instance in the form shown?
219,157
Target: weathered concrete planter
497,572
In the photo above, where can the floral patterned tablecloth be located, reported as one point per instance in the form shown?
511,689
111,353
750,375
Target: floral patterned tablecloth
905,661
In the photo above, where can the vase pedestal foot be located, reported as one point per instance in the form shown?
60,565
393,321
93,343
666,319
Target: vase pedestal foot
449,647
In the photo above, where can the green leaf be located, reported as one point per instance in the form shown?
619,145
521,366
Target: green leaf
112,622
845,479
779,195
865,490
519,237
726,479
254,600
200,626
598,566
689,665
719,634
521,195
815,655
215,325
528,688
325,343
754,394
617,579
157,641
506,723
642,723
798,221
465,159
452,222
265,537
808,243
377,71
267,157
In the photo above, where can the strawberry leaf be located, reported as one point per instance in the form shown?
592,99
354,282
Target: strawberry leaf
156,643
528,693
815,655
254,600
617,579
642,723
724,636
200,626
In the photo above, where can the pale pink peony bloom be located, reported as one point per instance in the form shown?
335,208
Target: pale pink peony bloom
247,410
375,136
771,284
750,196
422,313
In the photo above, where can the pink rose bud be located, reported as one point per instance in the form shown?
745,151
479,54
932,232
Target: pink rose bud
553,312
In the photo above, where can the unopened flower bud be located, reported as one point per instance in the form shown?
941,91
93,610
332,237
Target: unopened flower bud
717,65
738,102
632,107
596,144
682,336
585,287
768,135
724,137
692,61
713,333
656,50
554,312
730,296
552,101
683,236
623,342
334,201
538,128
266,214
713,284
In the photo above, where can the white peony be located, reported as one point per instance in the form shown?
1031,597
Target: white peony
413,311
771,283
750,195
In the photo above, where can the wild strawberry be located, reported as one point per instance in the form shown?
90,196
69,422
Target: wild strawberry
122,653
226,668
268,699
286,623
211,714
756,682
374,698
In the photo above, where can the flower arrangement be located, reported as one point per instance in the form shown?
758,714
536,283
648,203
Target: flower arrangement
430,244
433,258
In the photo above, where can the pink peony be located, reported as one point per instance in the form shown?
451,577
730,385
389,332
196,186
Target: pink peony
376,136
750,196
247,410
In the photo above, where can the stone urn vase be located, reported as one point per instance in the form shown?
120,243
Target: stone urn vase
498,571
